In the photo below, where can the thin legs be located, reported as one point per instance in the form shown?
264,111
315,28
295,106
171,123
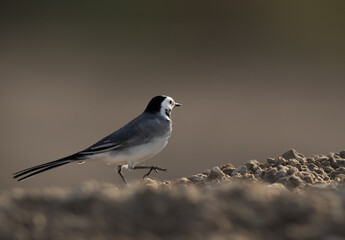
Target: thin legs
152,168
119,171
155,168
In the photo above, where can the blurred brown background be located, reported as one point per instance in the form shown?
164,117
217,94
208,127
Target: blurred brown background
255,78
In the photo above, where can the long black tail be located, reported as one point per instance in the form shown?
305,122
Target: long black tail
29,172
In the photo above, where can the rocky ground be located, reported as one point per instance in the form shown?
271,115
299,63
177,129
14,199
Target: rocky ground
287,197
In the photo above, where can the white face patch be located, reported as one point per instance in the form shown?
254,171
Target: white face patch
166,106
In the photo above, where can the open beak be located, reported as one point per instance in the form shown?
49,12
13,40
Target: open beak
178,104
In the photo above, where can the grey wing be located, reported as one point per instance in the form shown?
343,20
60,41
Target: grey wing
136,132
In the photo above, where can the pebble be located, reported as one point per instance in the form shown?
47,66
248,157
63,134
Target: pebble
198,178
342,154
280,174
292,170
293,181
258,173
333,162
340,170
241,170
308,179
327,169
271,160
341,162
290,154
312,167
217,174
269,175
252,165
228,169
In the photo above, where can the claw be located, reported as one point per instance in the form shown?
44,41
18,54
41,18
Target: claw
155,168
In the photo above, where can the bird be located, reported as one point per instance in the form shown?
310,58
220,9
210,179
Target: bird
137,141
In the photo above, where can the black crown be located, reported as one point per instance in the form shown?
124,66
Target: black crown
155,104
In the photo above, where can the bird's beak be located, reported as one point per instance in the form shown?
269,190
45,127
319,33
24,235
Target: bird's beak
178,104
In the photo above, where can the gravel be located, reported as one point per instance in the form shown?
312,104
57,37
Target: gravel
287,197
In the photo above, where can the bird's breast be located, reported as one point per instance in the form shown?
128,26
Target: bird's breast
149,149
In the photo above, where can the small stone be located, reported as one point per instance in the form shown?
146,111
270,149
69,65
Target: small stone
340,170
341,162
342,154
314,174
236,175
299,174
312,167
293,181
228,170
269,175
340,178
327,169
280,174
333,162
258,173
321,158
331,154
283,180
198,178
282,167
264,166
271,160
252,165
276,161
290,154
308,179
293,162
249,177
206,172
301,160
228,165
325,162
216,173
241,170
298,166
320,171
292,170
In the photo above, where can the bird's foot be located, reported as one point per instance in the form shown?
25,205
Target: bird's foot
154,168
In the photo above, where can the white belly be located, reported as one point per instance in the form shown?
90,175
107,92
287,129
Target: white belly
134,154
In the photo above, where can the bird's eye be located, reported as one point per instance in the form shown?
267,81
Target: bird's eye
170,102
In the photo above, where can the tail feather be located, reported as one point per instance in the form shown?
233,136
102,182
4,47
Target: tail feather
38,167
29,172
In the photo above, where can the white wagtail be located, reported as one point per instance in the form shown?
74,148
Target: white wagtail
138,140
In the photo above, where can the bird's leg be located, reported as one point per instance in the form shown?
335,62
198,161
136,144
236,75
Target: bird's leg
155,168
119,171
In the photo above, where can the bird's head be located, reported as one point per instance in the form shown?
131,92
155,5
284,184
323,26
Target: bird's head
163,105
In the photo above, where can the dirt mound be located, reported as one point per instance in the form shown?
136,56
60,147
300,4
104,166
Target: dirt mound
287,197
291,169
